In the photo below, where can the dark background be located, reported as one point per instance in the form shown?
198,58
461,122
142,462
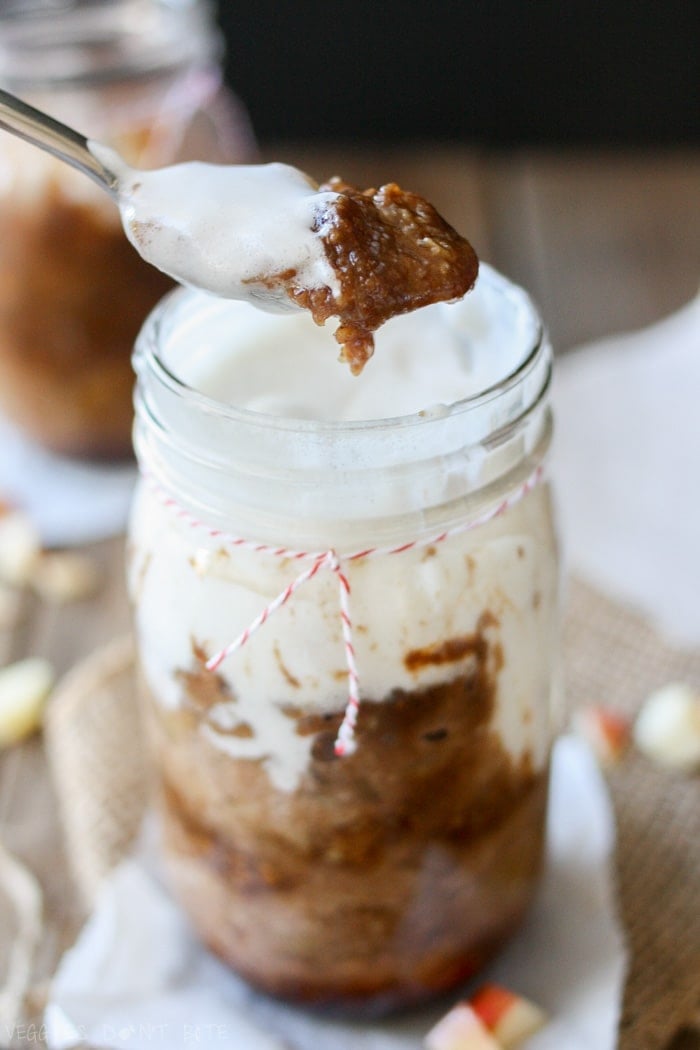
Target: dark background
506,72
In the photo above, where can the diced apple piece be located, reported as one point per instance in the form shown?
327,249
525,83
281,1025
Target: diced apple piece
606,731
24,689
64,576
510,1018
19,546
460,1029
667,728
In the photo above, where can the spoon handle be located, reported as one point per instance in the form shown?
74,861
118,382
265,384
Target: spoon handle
48,134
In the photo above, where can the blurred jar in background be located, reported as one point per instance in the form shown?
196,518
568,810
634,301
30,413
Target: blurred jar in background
142,76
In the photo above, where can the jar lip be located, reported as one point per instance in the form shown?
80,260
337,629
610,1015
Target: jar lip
146,351
74,43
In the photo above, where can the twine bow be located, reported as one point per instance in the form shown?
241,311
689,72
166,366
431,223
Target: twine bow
331,561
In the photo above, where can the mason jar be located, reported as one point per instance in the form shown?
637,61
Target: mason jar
347,639
142,76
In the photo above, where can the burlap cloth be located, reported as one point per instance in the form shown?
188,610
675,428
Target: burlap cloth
611,656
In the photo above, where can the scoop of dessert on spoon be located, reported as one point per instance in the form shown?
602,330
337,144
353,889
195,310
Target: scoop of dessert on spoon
267,233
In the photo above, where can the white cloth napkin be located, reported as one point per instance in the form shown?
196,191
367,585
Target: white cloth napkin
626,468
71,502
137,979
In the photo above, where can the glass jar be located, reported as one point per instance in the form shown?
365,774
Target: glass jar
142,76
378,866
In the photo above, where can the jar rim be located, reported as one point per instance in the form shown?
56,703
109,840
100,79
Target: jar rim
147,354
222,454
76,43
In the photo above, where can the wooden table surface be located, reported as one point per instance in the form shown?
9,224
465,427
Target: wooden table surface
604,243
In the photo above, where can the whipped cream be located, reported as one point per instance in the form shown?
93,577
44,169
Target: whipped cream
285,365
189,587
224,227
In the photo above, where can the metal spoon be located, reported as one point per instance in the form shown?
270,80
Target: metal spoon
111,173
63,142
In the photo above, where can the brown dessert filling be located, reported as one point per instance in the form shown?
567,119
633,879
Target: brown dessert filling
402,866
392,253
73,295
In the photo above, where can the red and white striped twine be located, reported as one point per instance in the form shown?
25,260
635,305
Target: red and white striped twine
329,560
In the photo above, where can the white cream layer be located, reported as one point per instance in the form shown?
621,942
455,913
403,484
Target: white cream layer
187,588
